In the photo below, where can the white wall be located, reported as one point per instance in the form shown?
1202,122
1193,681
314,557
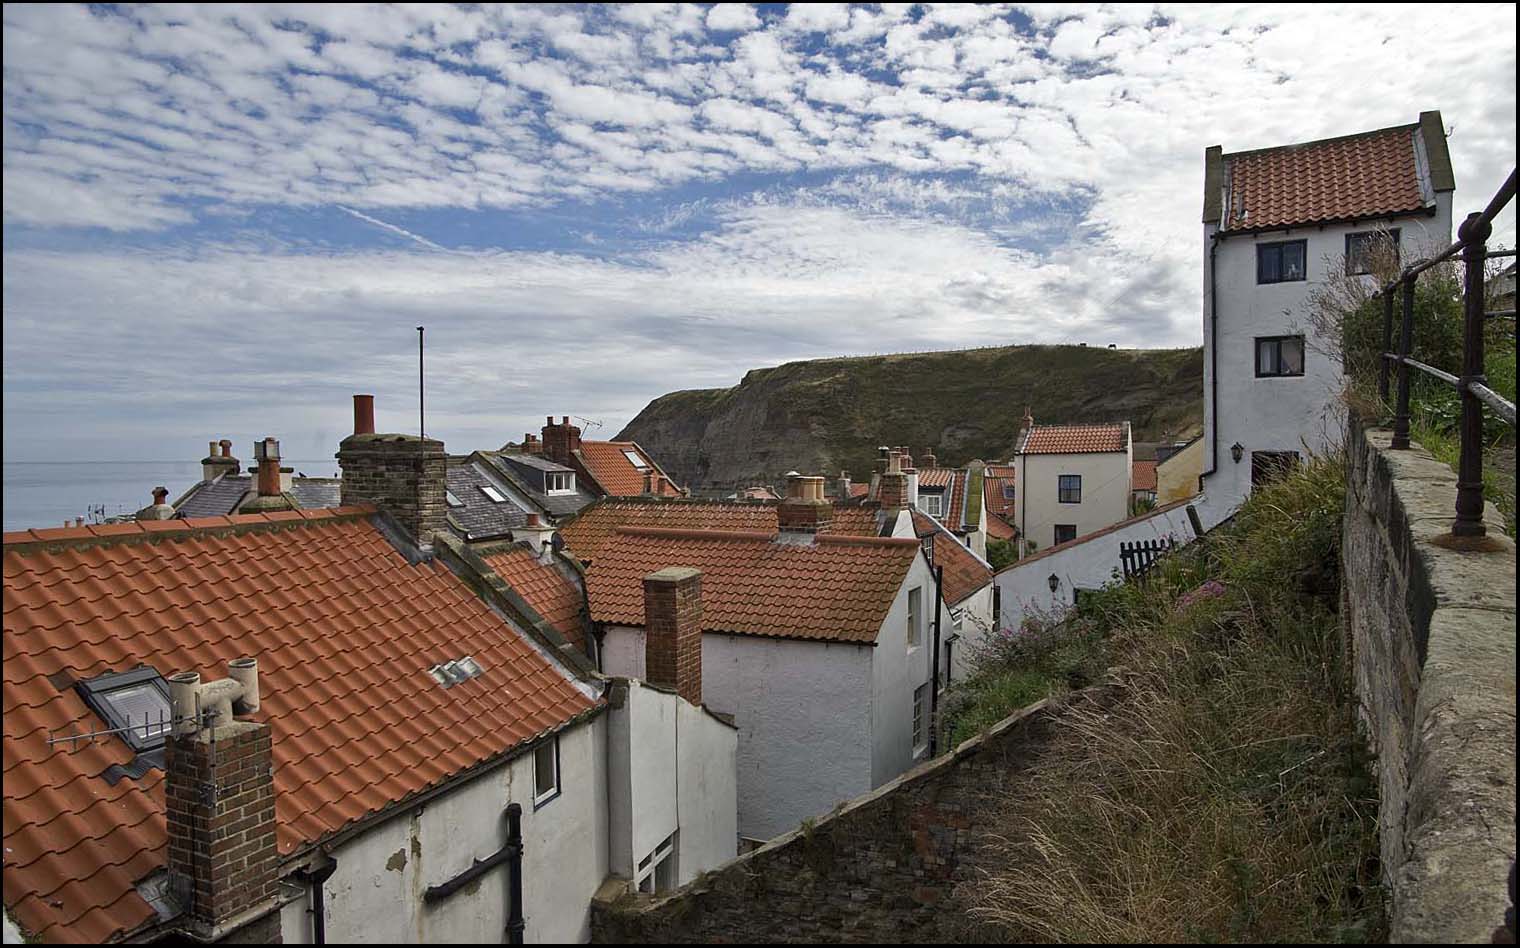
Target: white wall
1280,414
896,670
803,710
1105,493
375,895
977,622
1024,587
672,766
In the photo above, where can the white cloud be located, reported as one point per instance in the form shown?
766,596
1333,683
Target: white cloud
732,17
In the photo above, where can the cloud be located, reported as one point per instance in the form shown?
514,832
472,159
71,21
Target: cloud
732,17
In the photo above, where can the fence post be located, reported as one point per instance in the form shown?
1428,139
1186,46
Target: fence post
1387,345
1406,346
1474,233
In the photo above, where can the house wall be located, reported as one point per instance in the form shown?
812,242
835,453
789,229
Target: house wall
804,714
977,623
1177,476
376,894
1024,587
672,766
1105,493
1280,414
896,670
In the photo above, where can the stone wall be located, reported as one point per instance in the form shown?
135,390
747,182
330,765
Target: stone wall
403,475
880,869
1432,627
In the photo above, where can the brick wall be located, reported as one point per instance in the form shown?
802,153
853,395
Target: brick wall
1431,624
560,440
883,868
401,474
673,631
219,807
893,492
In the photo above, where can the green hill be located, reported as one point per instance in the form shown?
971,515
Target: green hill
827,415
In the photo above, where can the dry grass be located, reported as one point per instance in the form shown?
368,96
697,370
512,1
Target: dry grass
1225,797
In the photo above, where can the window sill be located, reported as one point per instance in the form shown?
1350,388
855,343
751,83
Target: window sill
543,801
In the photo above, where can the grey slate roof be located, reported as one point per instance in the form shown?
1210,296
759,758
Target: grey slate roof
480,517
316,492
514,468
215,498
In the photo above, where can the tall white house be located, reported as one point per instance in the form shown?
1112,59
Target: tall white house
1277,223
1072,480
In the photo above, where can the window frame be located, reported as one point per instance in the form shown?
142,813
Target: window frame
638,461
648,868
1278,361
1062,489
543,798
1056,533
915,617
96,692
565,478
492,494
1392,233
939,503
1278,246
451,499
920,733
1008,491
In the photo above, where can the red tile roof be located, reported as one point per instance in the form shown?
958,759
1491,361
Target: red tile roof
610,467
964,573
1073,439
344,629
549,591
1000,529
838,589
998,476
589,532
1372,174
1143,476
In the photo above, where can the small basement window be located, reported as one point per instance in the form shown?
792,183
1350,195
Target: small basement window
657,871
546,772
493,493
635,460
136,701
1065,532
920,694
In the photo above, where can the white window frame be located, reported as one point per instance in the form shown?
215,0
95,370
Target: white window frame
550,749
936,509
915,616
492,494
920,735
634,459
451,500
565,479
648,869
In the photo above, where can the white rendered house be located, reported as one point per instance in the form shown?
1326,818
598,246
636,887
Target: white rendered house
1072,480
1277,223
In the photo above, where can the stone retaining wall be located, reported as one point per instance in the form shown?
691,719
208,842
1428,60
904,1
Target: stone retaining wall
880,869
1432,629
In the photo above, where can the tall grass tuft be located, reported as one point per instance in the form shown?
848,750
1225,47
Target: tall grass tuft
1226,795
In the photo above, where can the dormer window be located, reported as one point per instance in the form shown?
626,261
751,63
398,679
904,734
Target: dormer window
135,702
559,482
635,460
931,504
494,494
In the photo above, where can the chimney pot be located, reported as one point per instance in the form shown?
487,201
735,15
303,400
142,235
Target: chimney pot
212,451
532,519
160,495
364,414
268,452
226,445
565,420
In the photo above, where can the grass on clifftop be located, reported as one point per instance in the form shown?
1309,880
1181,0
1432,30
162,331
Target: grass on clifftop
1225,795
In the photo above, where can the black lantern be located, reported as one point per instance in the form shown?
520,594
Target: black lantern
1237,452
1055,582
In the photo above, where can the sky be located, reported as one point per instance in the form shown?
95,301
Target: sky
222,221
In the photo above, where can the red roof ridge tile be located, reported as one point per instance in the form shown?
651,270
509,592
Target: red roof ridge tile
845,539
680,533
138,529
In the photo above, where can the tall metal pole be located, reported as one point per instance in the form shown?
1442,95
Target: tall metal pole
1474,232
421,418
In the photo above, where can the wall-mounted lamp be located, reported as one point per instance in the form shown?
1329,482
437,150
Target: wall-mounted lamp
1237,452
1055,582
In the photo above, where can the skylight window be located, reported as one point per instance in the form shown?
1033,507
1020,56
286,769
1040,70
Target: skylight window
453,501
455,672
137,702
635,460
493,493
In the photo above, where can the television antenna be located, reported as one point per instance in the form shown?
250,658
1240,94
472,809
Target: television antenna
587,423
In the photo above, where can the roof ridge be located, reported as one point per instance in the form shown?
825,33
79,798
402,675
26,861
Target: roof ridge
693,533
845,539
1407,127
111,533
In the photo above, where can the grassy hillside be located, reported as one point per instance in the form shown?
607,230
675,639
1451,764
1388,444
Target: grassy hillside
825,415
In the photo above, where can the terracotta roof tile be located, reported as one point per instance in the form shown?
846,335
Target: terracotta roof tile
610,467
344,629
964,573
1368,175
550,592
1144,475
953,478
1073,439
995,492
838,588
588,533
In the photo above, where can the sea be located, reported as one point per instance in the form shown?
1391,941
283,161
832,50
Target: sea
46,493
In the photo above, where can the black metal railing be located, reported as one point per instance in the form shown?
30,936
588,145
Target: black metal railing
1472,384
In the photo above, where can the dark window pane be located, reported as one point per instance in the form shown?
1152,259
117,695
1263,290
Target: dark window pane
1065,531
1268,264
1293,260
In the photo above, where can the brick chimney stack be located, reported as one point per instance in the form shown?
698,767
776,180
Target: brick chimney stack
403,475
561,440
673,631
930,461
892,493
844,485
219,461
805,510
219,807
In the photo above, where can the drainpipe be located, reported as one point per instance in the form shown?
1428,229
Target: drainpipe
315,878
1213,356
514,874
939,608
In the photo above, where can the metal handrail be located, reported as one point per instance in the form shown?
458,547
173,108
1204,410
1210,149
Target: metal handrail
1472,384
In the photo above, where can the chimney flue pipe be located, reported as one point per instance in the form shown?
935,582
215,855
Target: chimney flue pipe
364,414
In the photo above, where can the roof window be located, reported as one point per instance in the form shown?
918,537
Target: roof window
635,460
493,493
453,501
135,704
460,670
